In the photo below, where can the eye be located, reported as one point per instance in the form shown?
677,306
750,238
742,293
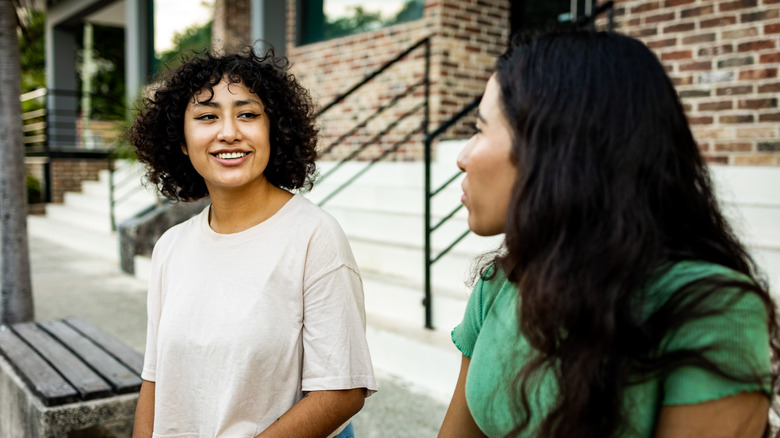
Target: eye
475,129
206,117
248,116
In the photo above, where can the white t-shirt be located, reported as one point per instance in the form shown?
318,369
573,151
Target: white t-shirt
241,324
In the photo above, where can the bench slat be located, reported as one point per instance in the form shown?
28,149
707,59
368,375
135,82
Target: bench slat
40,377
124,354
87,382
121,378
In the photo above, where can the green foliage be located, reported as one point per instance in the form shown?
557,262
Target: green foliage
195,38
363,21
33,190
108,98
31,50
359,21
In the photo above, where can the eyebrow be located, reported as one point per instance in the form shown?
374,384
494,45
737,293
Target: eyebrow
236,103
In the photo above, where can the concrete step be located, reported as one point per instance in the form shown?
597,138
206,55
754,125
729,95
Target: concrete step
93,241
425,358
84,219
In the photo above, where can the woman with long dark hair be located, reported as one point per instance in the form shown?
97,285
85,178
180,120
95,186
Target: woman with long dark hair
621,303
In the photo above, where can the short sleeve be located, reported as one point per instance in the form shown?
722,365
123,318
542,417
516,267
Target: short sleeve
335,349
736,340
465,334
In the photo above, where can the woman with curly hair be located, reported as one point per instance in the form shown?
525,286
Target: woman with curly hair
621,304
256,324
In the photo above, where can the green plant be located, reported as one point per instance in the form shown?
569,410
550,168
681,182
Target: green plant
33,190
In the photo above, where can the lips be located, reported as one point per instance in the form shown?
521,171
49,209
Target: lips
230,155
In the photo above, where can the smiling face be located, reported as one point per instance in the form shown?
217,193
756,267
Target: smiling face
227,138
490,169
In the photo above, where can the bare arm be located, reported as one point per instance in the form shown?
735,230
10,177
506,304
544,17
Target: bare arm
317,414
143,425
740,416
458,421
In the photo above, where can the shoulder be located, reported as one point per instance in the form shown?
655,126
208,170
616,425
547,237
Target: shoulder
311,220
182,230
695,282
493,289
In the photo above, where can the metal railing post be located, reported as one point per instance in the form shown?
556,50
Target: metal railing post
428,140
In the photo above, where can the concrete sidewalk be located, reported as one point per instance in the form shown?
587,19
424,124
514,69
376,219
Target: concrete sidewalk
69,281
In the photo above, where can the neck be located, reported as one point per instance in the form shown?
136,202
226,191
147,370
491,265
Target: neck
233,211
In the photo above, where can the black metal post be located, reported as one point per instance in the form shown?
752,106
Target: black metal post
427,302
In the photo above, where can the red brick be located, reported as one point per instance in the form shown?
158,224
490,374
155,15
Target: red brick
662,43
749,75
739,118
645,7
666,16
739,4
680,54
760,16
700,38
684,80
736,90
672,3
757,103
697,12
698,65
754,46
770,58
646,32
733,147
700,120
680,27
769,88
720,105
754,160
772,28
718,22
769,117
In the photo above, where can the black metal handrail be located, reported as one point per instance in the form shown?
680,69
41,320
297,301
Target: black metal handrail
429,195
395,122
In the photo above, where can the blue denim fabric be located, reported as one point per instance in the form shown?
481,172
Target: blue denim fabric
348,432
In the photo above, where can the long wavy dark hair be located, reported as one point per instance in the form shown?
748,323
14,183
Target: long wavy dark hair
610,188
158,130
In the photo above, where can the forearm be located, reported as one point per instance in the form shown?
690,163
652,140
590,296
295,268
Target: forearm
317,414
143,424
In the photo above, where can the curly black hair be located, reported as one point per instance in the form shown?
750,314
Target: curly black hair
158,129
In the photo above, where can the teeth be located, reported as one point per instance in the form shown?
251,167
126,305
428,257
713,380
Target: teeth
230,155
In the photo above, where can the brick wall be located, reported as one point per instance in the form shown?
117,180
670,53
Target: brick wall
723,57
67,175
467,35
232,24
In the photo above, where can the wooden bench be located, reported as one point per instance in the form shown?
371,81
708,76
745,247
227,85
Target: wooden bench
64,375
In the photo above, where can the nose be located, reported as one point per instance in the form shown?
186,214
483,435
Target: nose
229,132
463,156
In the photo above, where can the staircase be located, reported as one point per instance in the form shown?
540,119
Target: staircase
83,220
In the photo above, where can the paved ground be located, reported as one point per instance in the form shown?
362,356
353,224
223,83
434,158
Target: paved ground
68,281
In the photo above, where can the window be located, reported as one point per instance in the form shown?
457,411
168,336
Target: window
321,20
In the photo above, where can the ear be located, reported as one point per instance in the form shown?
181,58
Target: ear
184,148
